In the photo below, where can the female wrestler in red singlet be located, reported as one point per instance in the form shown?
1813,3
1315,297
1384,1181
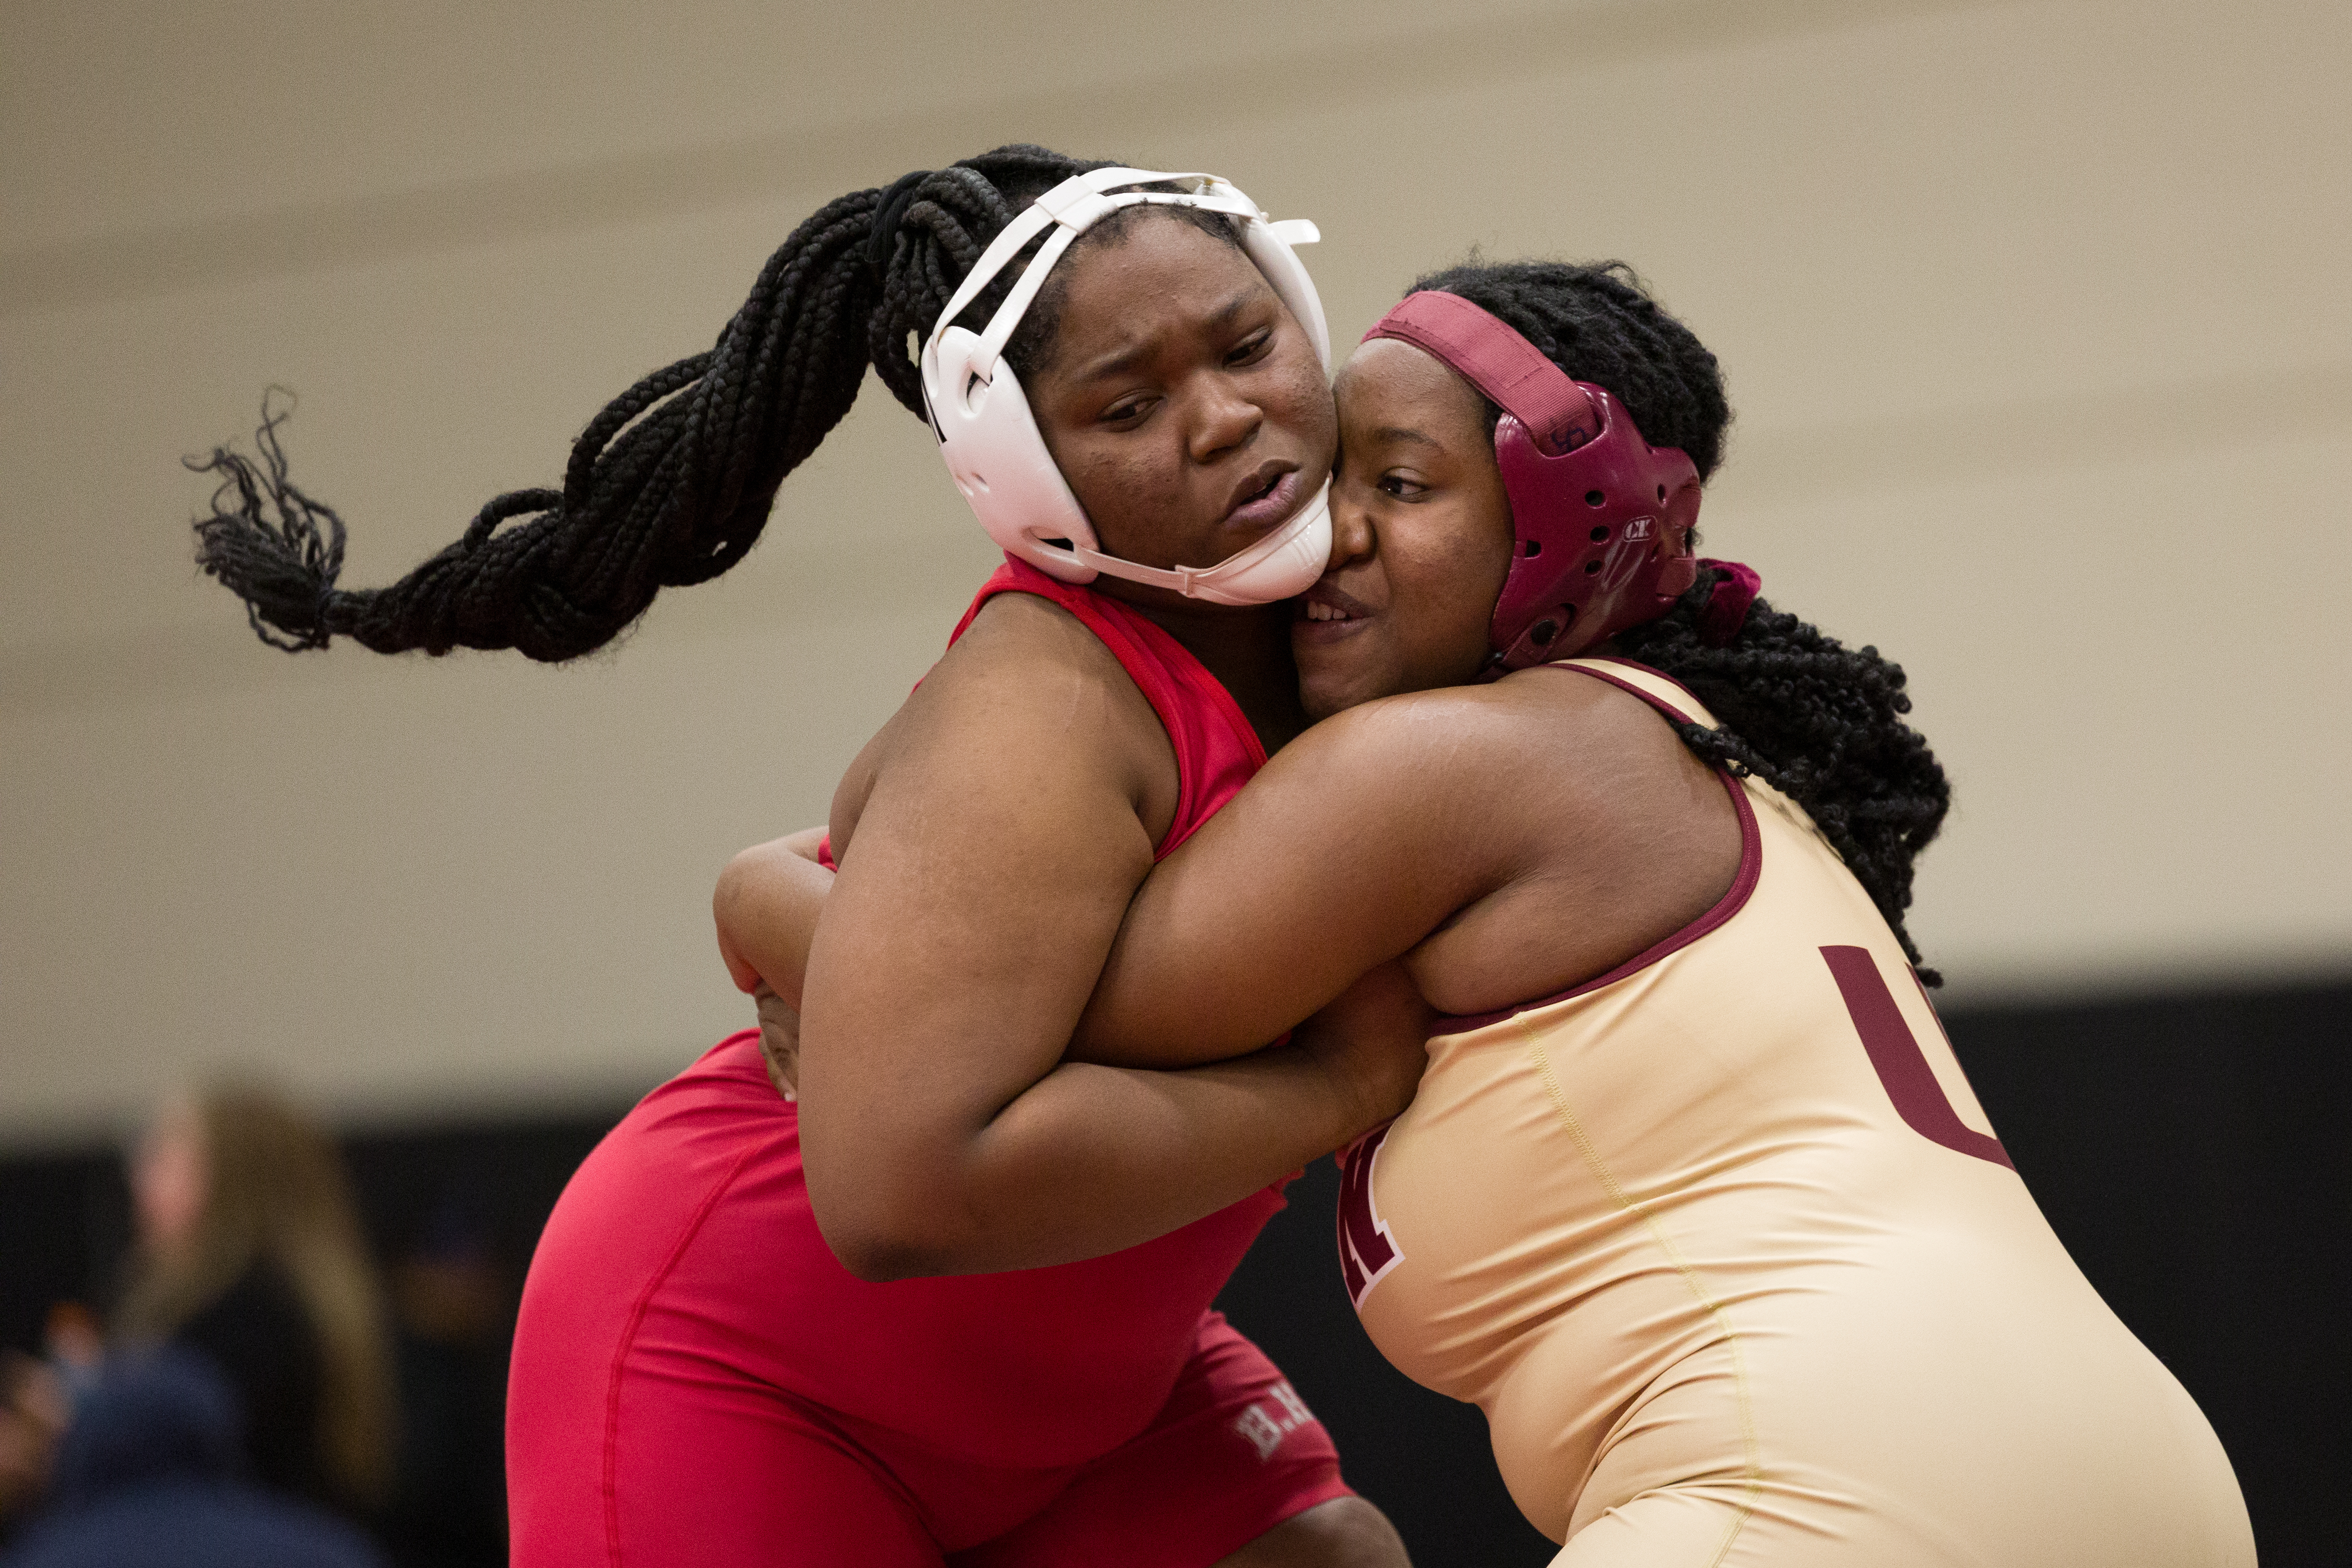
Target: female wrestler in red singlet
696,1376
1693,1200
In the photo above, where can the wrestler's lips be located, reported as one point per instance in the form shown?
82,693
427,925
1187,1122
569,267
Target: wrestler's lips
1271,492
1324,614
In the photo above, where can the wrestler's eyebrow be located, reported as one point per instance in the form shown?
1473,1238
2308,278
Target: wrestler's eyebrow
1120,361
1231,307
1399,433
1114,362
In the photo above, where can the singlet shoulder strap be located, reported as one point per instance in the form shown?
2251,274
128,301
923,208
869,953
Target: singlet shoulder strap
1669,697
1659,690
1120,630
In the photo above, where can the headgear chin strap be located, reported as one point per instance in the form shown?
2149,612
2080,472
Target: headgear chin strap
1600,519
989,438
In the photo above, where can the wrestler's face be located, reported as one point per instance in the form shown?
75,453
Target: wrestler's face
1421,536
1181,401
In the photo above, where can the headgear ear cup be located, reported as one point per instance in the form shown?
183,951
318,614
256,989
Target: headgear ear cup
1271,247
1600,519
997,457
989,437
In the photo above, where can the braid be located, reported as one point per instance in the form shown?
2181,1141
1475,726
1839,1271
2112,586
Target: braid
672,482
1820,722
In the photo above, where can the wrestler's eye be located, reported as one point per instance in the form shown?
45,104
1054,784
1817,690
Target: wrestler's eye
1251,348
1399,486
1126,411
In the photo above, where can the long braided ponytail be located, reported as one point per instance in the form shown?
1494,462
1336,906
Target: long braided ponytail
671,484
1818,722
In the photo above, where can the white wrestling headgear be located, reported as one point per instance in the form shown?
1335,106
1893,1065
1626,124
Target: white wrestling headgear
990,439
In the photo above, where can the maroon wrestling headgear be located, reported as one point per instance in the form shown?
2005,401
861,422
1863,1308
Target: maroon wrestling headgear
1601,519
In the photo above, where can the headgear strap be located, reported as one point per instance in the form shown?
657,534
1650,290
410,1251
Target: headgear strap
1487,353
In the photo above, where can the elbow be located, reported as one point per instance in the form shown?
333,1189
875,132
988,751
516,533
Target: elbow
895,1202
881,1239
880,1259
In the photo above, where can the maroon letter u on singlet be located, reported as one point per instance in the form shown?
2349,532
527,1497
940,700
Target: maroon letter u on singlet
1902,1066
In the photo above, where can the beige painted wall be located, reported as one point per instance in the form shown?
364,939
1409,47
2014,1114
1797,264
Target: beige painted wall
2035,316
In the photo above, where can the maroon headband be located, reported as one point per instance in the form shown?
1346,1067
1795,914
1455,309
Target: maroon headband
1601,522
1485,351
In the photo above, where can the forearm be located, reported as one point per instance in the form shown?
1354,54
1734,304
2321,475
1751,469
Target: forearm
1279,903
766,907
1087,1161
1141,1024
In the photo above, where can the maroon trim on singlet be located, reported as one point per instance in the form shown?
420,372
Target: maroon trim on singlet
1751,866
1660,703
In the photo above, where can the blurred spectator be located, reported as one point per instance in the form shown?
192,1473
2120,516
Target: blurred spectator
75,1342
248,1253
148,1474
34,1409
37,1402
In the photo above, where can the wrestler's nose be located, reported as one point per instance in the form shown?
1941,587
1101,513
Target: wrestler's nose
1223,421
1354,539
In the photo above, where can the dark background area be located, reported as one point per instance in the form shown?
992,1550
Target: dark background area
2190,1149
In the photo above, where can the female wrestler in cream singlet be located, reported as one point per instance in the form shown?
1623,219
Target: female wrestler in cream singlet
1694,1200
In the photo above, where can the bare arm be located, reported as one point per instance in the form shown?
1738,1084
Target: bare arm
983,880
1506,840
771,897
766,908
1346,851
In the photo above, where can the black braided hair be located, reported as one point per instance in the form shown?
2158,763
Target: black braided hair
1818,722
671,484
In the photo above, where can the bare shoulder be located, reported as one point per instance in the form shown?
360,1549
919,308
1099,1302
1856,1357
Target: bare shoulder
1033,633
1610,833
1604,724
1572,734
1608,756
1026,695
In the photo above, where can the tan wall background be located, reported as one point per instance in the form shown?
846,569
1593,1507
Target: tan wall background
2035,316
